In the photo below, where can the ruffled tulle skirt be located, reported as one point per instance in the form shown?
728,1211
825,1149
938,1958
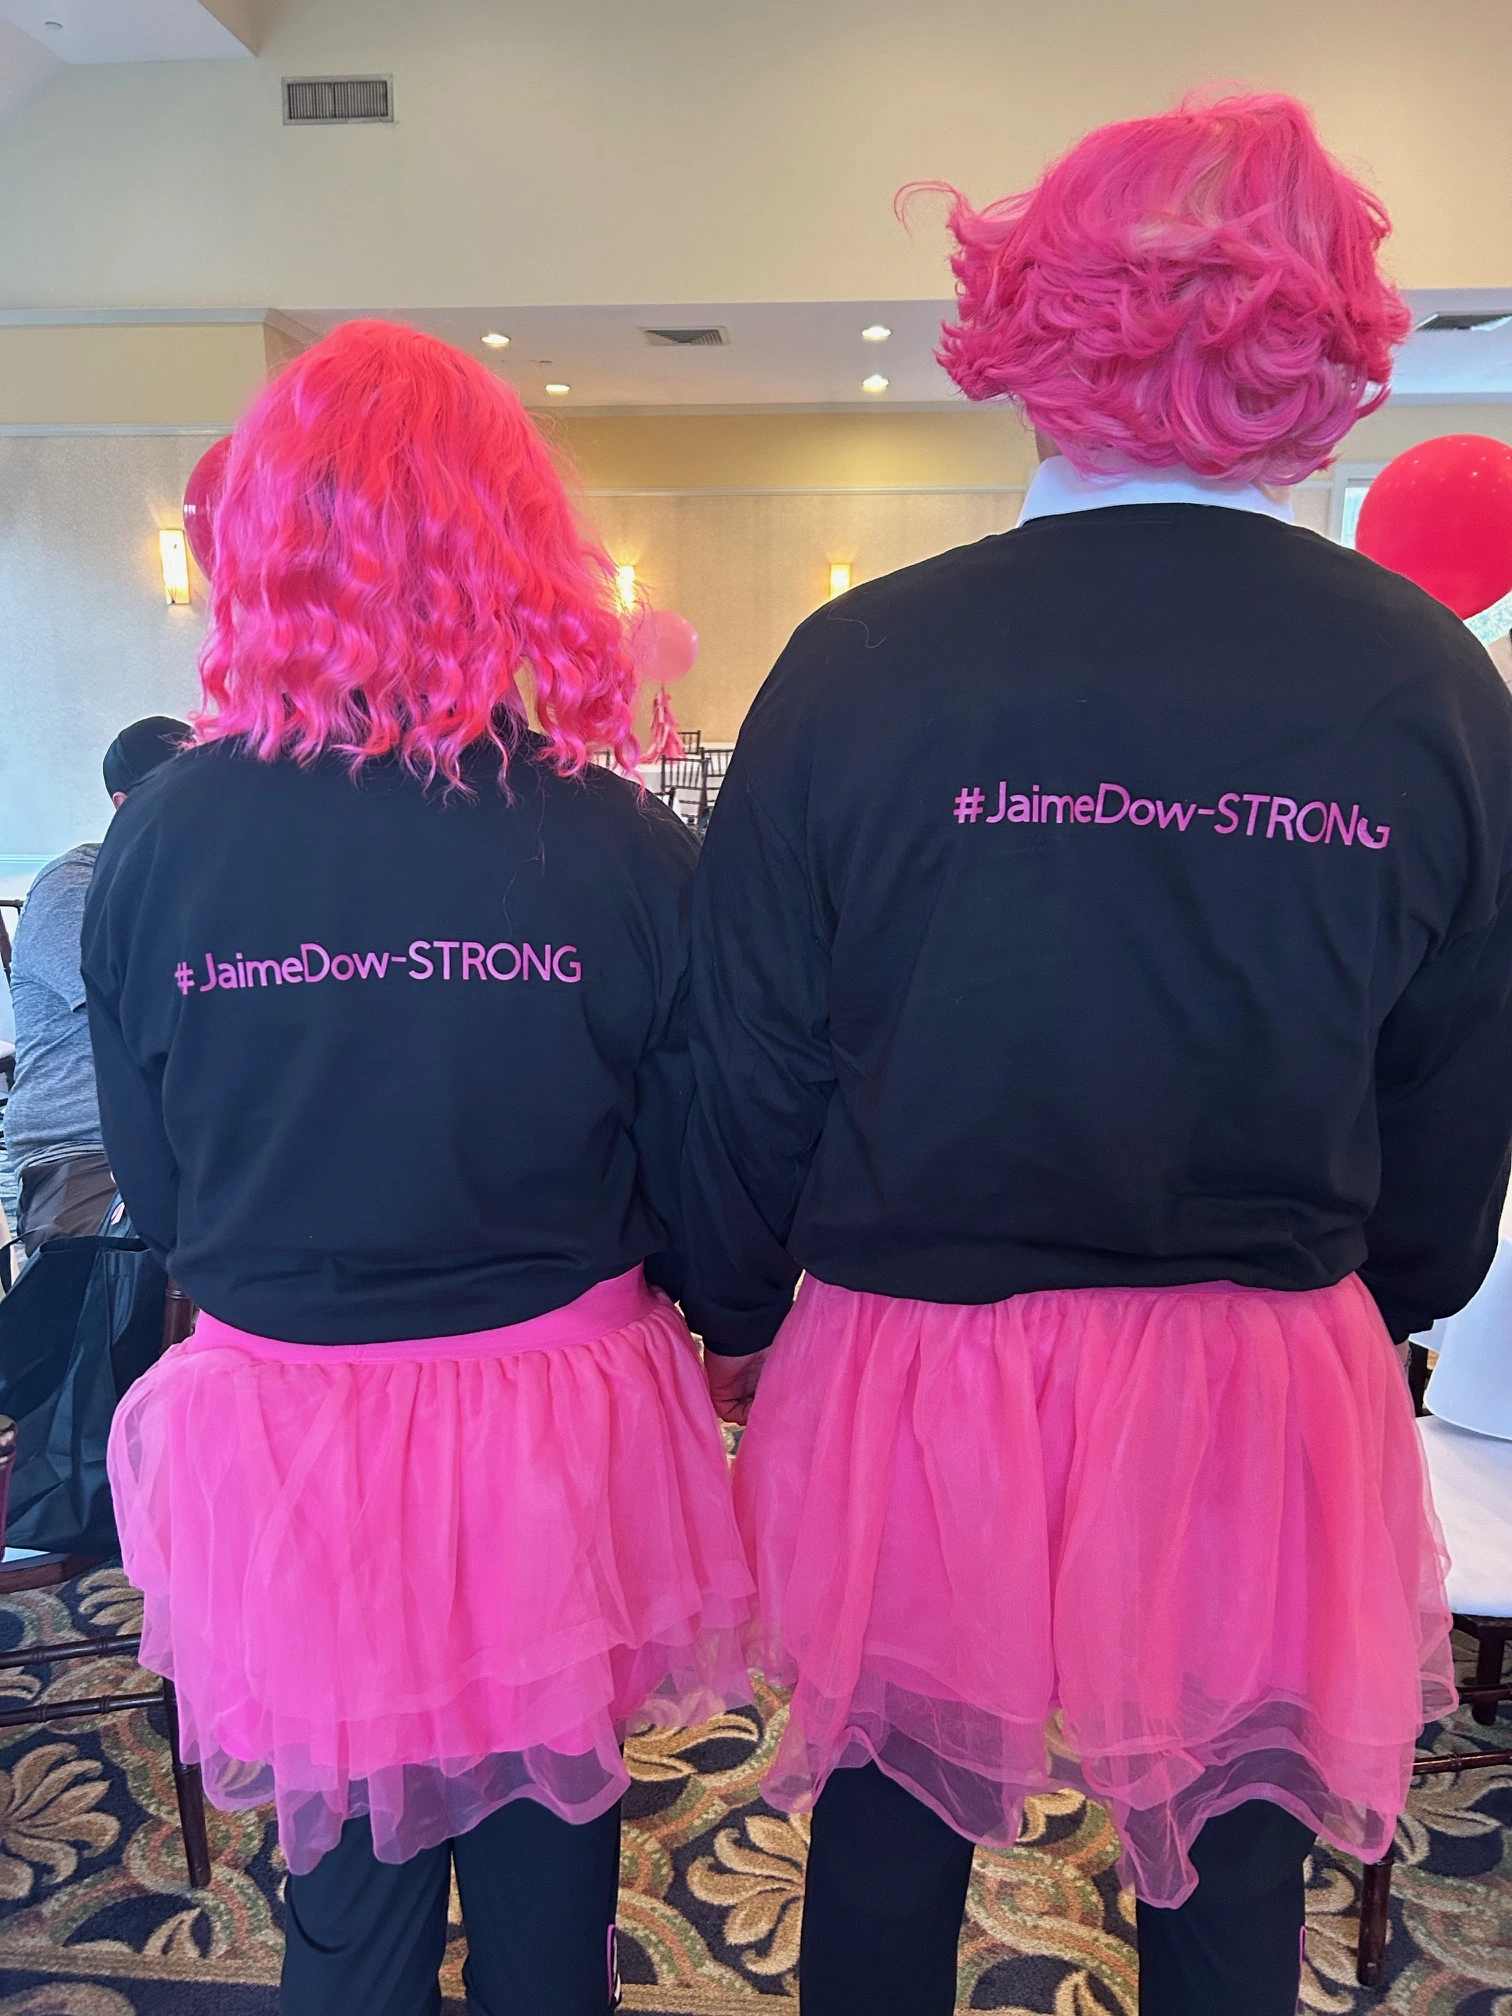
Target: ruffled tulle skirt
419,1580
1174,1546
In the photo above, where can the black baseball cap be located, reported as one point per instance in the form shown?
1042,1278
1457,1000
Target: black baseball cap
138,750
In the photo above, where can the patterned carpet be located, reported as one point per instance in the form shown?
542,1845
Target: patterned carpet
96,1918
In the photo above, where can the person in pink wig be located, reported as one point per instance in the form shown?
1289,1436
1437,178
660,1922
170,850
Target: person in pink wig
1101,974
387,998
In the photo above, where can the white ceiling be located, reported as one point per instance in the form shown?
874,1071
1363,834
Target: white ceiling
812,353
780,353
130,31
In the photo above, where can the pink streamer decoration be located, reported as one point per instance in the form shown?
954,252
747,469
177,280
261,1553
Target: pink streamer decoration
665,740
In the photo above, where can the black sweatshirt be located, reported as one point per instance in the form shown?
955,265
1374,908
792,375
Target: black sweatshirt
1121,901
379,1062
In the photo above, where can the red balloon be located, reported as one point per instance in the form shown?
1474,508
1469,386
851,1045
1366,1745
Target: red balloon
207,479
664,647
1442,515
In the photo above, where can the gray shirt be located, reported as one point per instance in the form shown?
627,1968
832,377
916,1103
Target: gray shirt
53,1110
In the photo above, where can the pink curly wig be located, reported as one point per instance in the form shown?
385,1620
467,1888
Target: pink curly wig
1199,289
392,547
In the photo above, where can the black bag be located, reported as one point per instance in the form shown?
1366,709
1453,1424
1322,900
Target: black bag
83,1321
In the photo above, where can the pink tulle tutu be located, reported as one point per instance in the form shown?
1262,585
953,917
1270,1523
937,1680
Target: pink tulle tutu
419,1580
1172,1545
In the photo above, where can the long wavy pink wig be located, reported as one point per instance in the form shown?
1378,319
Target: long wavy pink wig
392,548
1197,289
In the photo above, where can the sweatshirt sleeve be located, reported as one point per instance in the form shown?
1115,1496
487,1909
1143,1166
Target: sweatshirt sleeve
663,1090
667,854
763,1073
130,1083
1444,1103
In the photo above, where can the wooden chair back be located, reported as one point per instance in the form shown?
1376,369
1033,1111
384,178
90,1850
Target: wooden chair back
7,1465
48,1572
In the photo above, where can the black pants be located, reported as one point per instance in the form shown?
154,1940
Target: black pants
887,1887
64,1200
366,1938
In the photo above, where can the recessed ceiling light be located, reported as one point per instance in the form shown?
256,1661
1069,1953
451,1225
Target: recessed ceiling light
495,341
876,383
558,391
875,332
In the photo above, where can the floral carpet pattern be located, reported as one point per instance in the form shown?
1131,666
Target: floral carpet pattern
96,1917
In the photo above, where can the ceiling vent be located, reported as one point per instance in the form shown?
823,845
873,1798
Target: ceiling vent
338,101
1485,318
687,339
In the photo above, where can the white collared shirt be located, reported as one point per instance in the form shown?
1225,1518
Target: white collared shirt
1058,488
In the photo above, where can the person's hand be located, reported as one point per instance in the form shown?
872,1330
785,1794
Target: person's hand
732,1384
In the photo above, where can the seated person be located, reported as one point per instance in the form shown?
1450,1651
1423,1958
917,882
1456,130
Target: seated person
52,1120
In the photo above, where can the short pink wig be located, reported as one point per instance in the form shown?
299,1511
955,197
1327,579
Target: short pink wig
392,548
1199,289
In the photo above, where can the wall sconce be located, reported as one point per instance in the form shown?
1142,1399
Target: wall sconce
174,553
624,587
840,578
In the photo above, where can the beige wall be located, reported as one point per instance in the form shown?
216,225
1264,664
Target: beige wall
676,152
96,374
970,445
747,567
733,521
1394,428
87,642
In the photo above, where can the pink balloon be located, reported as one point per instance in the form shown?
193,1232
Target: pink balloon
665,646
207,479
